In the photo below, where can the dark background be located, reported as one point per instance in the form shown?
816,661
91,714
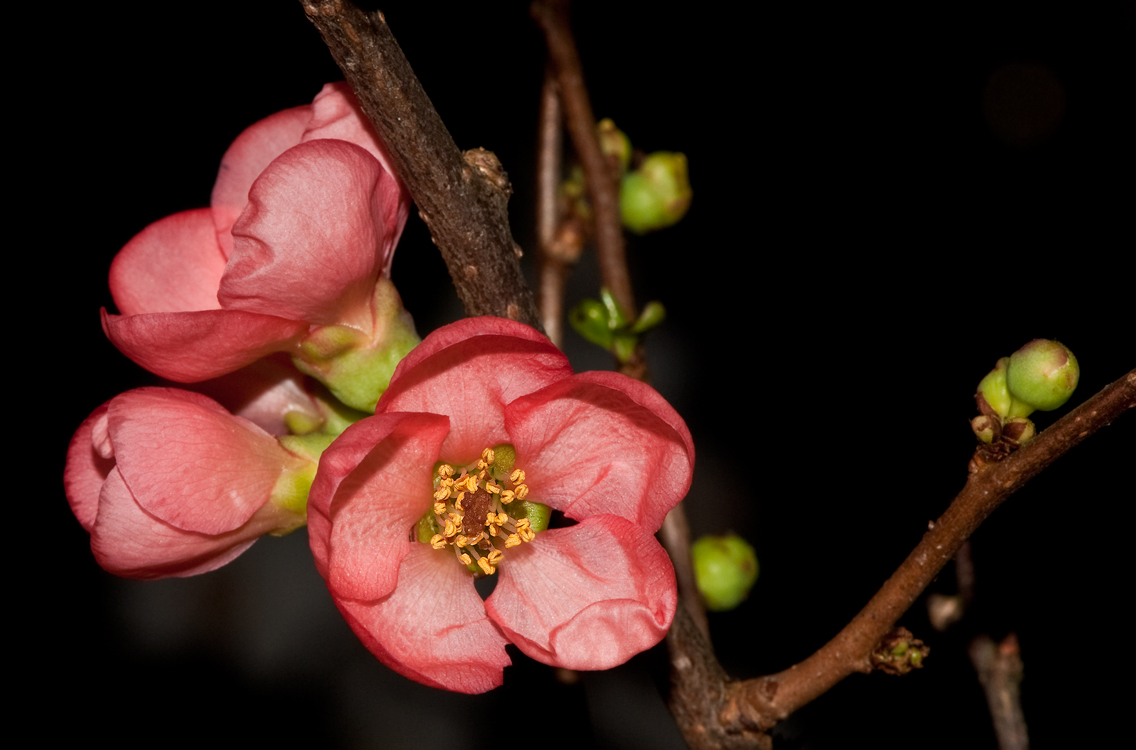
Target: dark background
885,203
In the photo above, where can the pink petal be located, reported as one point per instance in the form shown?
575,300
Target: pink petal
248,156
290,259
190,463
336,115
600,442
589,596
263,393
433,627
90,458
173,265
127,541
373,485
469,370
192,346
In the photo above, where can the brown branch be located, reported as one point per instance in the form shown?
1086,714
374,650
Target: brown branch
552,16
999,668
462,197
762,702
552,270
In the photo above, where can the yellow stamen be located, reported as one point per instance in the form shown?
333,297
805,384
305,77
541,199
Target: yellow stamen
438,541
506,496
493,488
522,491
483,563
517,477
442,493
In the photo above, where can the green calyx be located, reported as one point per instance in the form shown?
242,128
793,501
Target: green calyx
355,367
605,324
725,569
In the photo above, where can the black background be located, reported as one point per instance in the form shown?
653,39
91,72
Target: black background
862,246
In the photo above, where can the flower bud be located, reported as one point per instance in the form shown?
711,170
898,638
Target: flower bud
993,388
725,569
1042,374
657,194
984,428
615,144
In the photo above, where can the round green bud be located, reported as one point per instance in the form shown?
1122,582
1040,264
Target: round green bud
725,569
1019,429
657,194
983,427
1043,374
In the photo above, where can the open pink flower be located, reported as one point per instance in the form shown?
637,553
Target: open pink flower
304,219
168,483
604,449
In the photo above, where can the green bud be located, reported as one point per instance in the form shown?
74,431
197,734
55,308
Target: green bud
1019,429
623,345
725,569
993,388
657,194
614,143
616,318
653,315
590,320
983,427
1043,374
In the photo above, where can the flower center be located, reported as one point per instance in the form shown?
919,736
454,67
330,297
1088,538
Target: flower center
480,510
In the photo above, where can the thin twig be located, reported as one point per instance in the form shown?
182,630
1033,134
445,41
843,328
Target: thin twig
552,16
463,198
999,668
552,270
762,702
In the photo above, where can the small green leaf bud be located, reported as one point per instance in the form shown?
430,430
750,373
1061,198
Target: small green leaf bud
725,569
1043,374
1019,429
657,194
616,318
983,427
590,320
615,144
653,315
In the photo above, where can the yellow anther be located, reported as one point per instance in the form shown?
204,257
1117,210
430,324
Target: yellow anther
487,454
445,471
483,475
457,503
483,465
437,541
483,563
476,539
490,518
506,496
447,482
466,559
492,531
461,541
439,508
501,519
442,493
495,556
517,476
526,535
522,491
523,523
512,541
471,482
451,529
493,488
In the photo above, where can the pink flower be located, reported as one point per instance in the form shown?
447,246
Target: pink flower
168,483
602,448
292,255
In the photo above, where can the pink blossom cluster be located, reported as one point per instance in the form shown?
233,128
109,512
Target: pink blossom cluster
295,253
